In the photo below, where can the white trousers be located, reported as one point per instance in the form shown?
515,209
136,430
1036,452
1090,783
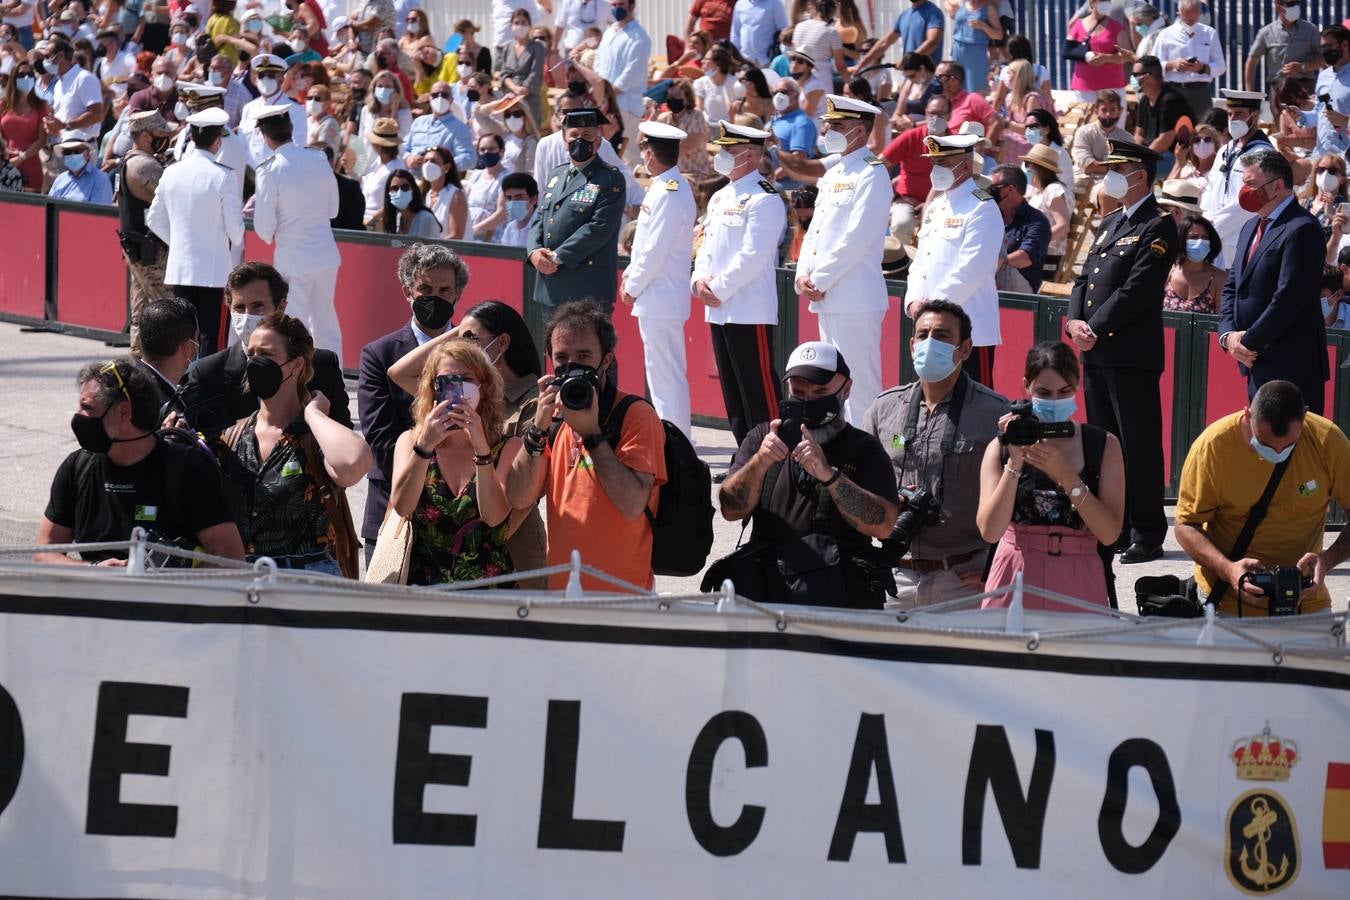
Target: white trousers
857,336
311,301
667,372
631,136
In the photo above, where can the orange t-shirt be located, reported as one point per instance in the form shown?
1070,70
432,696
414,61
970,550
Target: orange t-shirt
582,517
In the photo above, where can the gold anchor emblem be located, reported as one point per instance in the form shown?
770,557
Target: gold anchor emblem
1262,846
1258,830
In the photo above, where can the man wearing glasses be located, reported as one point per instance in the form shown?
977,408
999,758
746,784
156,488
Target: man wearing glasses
966,106
440,128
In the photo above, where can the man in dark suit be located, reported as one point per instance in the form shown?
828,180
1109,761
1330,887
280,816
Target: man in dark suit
433,277
351,202
1115,320
214,397
574,242
169,344
1270,320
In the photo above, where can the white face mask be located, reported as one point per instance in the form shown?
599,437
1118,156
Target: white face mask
242,324
937,125
465,70
1293,13
943,178
781,102
384,93
1204,149
268,86
431,171
739,90
836,142
315,107
440,105
724,163
1327,182
516,124
181,112
1103,8
1238,129
414,27
469,393
163,83
1116,185
592,43
520,31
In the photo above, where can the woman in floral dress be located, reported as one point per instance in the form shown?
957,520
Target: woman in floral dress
450,469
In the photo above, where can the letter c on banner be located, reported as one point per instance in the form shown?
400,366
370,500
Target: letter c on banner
723,840
1129,859
11,748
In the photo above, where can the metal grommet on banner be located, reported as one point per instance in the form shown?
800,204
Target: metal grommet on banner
902,618
664,606
523,611
781,624
1277,657
1034,644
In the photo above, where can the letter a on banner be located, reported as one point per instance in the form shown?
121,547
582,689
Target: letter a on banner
870,751
992,766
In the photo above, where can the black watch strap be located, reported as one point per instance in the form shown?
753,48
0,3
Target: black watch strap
595,440
425,454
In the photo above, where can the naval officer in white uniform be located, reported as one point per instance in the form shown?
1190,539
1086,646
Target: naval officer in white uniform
656,282
199,214
295,198
839,267
268,73
1219,201
233,152
959,247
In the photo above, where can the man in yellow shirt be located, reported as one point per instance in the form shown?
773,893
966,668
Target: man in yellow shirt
1227,471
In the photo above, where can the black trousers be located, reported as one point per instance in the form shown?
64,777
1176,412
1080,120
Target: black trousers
1128,403
210,305
980,365
750,385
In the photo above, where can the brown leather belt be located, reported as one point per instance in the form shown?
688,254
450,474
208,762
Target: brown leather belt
923,566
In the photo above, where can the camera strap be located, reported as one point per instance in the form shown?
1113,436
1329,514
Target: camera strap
954,406
1244,538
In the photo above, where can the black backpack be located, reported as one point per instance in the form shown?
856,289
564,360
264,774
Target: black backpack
682,529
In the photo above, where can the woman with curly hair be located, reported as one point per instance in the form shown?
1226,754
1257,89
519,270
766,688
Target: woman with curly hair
450,469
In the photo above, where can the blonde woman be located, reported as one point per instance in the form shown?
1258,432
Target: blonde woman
1022,99
386,101
323,125
450,469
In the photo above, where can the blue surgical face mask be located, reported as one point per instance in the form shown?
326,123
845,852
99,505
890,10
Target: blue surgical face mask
1034,135
1048,410
1196,249
620,13
1134,84
516,209
1269,455
74,161
934,360
401,198
24,83
1143,28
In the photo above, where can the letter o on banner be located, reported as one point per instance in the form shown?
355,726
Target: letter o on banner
1119,852
11,748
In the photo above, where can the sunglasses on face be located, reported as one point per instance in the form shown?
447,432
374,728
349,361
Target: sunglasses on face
442,94
1323,169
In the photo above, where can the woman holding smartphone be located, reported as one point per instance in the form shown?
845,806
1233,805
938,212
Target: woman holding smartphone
450,469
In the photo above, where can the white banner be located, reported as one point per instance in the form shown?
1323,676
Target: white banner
175,740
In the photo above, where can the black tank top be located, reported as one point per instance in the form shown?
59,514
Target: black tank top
130,209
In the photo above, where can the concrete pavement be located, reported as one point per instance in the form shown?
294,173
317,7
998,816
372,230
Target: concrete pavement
37,374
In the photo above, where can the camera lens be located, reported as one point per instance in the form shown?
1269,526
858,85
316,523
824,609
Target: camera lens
575,393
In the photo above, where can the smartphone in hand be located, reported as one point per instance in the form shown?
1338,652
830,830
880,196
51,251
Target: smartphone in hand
450,387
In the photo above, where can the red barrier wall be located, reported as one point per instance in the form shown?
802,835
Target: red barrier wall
91,275
808,329
1018,330
705,388
1226,389
23,277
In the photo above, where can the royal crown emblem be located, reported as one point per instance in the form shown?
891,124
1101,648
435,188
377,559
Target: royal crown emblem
1264,757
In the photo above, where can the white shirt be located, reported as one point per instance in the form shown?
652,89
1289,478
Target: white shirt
72,95
959,246
739,253
1180,41
258,151
841,252
233,154
502,10
717,98
575,16
623,58
658,269
372,184
551,152
198,212
295,200
483,191
440,207
515,233
114,70
1219,200
21,19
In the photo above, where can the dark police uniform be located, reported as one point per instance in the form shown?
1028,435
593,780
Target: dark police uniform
580,214
1119,294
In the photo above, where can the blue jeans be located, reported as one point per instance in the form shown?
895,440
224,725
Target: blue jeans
25,36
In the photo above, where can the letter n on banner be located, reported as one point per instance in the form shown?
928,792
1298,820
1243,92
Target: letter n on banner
992,767
1336,817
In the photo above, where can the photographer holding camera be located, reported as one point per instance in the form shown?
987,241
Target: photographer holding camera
599,472
935,431
1050,492
817,490
1278,455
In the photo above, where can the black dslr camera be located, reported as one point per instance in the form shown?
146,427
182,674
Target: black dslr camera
920,508
1024,429
1283,587
577,384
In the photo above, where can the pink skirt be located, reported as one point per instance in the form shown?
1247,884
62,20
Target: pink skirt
1057,559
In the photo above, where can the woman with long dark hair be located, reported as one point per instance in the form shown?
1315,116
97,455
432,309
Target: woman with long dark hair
405,210
444,192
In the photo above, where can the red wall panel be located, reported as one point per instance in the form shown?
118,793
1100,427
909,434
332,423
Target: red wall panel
808,329
23,265
91,275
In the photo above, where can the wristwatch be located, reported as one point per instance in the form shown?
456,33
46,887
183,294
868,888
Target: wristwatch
1078,492
593,441
425,454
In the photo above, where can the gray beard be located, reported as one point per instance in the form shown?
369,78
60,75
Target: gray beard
829,432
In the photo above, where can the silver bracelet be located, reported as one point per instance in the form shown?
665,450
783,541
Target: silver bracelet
1016,473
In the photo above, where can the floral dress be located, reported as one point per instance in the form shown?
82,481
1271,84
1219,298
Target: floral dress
451,542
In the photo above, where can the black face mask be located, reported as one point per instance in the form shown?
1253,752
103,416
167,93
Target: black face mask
431,312
814,414
802,75
359,93
580,150
1110,123
264,377
1332,55
675,104
90,433
577,88
473,95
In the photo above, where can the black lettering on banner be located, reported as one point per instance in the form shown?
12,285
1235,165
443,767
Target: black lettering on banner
723,840
114,757
416,766
11,748
558,828
870,751
1129,859
992,767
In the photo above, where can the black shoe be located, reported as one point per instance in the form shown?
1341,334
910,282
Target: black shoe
1138,553
719,477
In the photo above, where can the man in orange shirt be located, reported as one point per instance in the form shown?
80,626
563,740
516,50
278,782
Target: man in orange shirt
599,476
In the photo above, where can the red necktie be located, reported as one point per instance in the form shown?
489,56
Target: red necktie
1256,239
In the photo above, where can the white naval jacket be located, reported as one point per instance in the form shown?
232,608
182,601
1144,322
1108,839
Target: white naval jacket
258,151
739,253
663,248
841,252
296,197
198,212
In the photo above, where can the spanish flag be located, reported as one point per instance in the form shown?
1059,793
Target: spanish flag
1336,817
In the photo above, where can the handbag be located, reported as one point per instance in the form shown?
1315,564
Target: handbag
393,551
1077,51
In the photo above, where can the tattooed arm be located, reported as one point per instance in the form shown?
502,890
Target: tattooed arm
740,492
869,514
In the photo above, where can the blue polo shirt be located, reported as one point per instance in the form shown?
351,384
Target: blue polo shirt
92,185
796,132
912,25
1029,230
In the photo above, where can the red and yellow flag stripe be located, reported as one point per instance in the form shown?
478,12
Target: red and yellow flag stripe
1336,817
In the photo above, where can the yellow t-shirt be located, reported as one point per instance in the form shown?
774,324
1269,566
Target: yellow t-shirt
219,24
1223,478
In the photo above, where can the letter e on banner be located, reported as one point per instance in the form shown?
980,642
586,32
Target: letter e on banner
1128,859
723,840
415,767
114,757
992,766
